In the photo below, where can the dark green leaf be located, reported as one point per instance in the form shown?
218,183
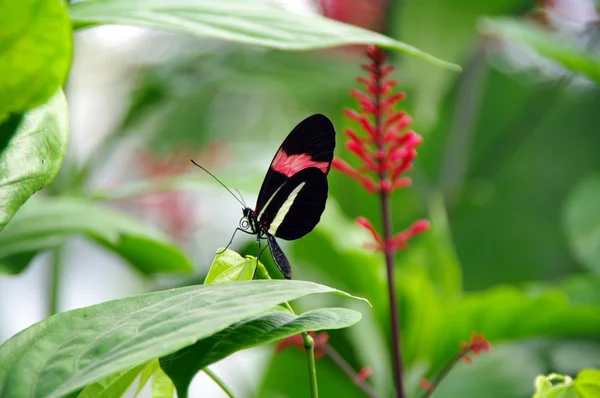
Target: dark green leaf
547,44
582,222
244,21
44,223
33,155
265,328
35,52
73,349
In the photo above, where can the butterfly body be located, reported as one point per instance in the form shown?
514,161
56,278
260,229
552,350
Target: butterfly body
294,191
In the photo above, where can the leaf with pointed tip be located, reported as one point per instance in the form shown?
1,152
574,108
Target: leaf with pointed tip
244,21
70,350
265,328
33,154
44,223
229,266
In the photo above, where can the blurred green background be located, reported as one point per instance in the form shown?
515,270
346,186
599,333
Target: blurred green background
508,174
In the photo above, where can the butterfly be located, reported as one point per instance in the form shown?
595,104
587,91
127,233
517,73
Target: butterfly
292,197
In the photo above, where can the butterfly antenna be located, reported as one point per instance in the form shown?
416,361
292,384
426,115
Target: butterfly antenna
239,193
219,181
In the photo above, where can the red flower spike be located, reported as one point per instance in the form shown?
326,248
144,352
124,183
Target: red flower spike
381,141
366,224
476,345
363,375
426,385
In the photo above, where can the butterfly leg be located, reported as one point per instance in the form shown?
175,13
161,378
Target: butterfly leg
231,240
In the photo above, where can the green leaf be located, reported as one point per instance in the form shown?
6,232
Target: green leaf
493,314
243,21
35,52
33,156
587,383
569,54
265,328
146,374
229,266
162,386
44,223
70,350
582,222
114,385
554,386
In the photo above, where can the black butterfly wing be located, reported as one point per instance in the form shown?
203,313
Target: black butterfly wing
296,206
310,144
279,257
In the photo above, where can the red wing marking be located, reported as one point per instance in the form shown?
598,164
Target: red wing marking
291,164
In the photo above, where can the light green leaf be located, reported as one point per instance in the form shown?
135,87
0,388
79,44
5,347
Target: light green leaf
44,223
162,386
35,52
114,385
547,44
587,383
229,266
275,325
582,222
243,21
70,350
33,155
554,386
146,374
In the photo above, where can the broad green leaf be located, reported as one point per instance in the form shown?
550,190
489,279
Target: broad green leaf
114,385
162,386
229,266
265,328
35,52
243,21
547,44
587,383
70,350
44,223
507,314
582,222
33,156
554,386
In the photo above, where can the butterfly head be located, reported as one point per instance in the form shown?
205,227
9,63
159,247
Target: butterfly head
249,220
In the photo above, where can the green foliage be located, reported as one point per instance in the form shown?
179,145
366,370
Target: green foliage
68,351
582,222
265,328
238,20
35,52
114,385
585,385
32,155
569,54
45,223
229,266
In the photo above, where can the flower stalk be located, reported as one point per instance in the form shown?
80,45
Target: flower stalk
386,149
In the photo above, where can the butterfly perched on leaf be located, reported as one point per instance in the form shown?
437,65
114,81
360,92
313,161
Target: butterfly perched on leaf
293,194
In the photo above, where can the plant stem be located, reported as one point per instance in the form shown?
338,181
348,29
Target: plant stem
309,347
54,287
346,368
391,274
386,216
442,375
219,382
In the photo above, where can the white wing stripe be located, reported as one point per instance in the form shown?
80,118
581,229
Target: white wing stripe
284,209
